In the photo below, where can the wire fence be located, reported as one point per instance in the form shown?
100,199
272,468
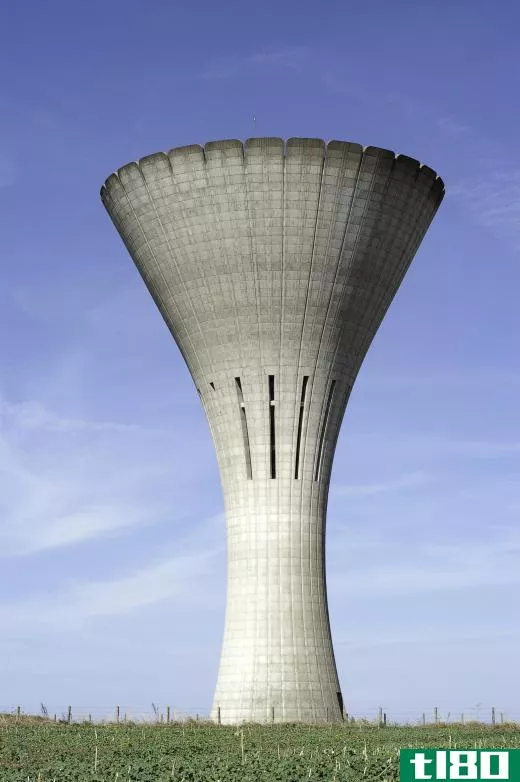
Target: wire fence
164,714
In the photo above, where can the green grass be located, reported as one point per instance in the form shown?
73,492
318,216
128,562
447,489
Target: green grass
37,750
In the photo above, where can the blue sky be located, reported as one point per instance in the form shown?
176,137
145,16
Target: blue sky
112,542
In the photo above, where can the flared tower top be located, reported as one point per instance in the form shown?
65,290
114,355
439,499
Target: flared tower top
274,145
268,248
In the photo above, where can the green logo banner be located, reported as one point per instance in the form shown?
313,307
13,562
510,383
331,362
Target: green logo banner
445,764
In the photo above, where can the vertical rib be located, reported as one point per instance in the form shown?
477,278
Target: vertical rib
300,423
245,432
323,429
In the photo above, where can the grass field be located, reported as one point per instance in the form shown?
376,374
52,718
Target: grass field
37,750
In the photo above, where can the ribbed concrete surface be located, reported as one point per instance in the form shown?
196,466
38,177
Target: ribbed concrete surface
273,264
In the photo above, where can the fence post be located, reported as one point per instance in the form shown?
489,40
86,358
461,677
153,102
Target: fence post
436,714
90,717
423,718
168,714
18,711
117,713
69,715
218,716
384,719
346,716
492,715
462,718
380,716
55,720
502,717
272,713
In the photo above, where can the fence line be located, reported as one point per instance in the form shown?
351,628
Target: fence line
380,717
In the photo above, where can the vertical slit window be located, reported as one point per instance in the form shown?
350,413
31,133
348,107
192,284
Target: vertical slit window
245,432
323,430
300,424
272,426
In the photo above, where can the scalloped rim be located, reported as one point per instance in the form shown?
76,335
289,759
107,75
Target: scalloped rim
293,141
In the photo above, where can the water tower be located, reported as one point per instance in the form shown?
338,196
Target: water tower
273,264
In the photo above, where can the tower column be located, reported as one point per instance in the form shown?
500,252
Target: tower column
277,658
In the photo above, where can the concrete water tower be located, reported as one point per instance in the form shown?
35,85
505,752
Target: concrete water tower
273,264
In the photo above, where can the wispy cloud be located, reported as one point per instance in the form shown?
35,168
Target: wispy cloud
464,377
491,192
427,446
420,110
290,58
423,636
177,576
64,480
422,565
34,415
494,200
411,480
77,526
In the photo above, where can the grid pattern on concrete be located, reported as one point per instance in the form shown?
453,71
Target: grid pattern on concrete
273,264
